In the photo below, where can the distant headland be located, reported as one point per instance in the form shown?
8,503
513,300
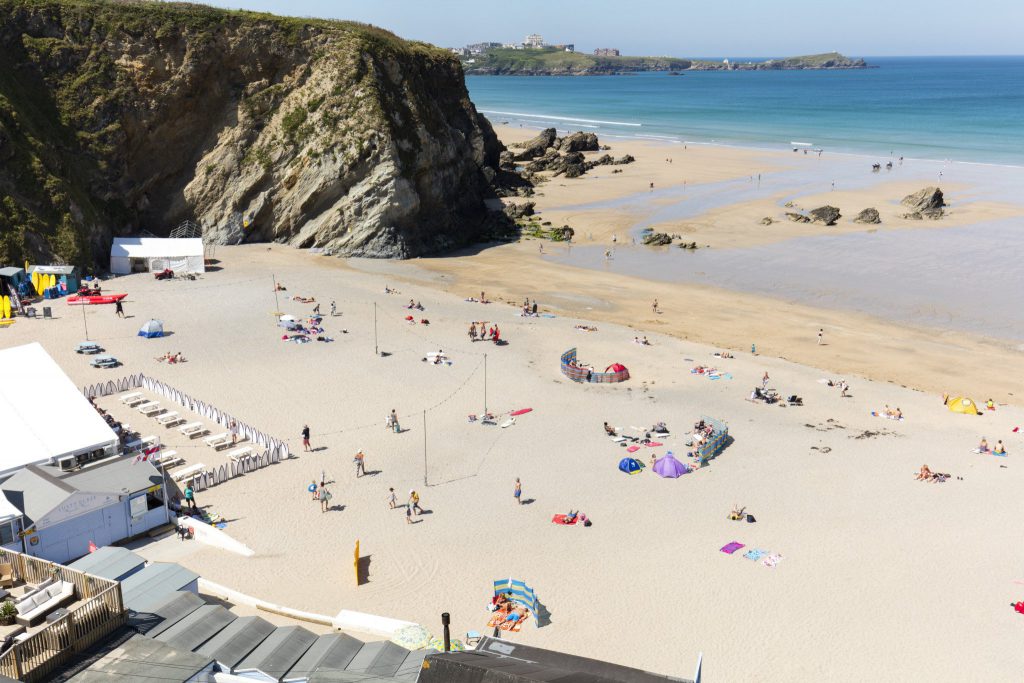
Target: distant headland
534,57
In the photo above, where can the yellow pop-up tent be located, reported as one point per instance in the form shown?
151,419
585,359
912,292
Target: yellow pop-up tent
962,404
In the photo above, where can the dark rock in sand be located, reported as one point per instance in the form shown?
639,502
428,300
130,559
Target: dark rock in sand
869,216
767,220
825,214
626,159
535,147
657,239
797,217
579,142
928,199
523,210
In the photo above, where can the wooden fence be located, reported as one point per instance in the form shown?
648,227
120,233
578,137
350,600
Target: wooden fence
38,657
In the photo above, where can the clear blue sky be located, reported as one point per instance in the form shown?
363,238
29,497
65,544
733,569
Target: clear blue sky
692,28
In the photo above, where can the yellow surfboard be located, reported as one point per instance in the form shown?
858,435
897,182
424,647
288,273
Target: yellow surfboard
35,282
53,281
7,307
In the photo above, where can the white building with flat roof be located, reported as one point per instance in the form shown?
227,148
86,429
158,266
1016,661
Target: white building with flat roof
45,418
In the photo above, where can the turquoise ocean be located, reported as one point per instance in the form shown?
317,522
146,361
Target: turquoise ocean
959,108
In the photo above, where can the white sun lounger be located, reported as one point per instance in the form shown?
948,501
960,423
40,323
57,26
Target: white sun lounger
132,399
148,441
218,441
164,457
170,419
189,472
238,453
193,429
150,409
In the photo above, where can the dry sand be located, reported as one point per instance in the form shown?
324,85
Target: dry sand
882,577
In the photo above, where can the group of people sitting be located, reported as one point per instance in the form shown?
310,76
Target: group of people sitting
529,310
641,341
438,358
304,299
414,305
483,333
507,615
765,395
171,358
722,354
481,300
925,474
889,413
983,447
585,328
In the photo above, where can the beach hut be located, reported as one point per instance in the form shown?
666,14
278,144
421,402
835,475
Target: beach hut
631,466
154,254
152,328
962,404
670,468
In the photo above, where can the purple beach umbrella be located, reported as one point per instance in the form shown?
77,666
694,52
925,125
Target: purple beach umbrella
669,467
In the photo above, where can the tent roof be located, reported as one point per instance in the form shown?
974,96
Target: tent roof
156,247
36,393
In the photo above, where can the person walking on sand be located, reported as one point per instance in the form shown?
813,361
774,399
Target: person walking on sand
234,432
764,381
334,308
414,502
325,499
472,332
305,438
654,306
314,490
821,333
408,515
118,309
518,491
397,428
392,499
360,461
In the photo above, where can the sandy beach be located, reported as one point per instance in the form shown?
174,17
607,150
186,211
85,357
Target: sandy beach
881,576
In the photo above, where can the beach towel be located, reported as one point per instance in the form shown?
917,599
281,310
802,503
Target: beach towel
653,444
632,449
999,455
561,519
772,560
755,554
730,548
523,411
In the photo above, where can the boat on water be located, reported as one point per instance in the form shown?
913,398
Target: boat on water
83,299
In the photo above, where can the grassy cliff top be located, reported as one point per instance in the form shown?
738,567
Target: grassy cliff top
145,16
553,60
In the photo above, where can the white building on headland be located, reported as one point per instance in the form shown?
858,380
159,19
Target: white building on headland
534,41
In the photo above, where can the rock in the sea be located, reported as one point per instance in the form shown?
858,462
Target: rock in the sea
579,142
927,202
657,239
797,217
535,147
869,216
825,214
688,245
563,234
767,220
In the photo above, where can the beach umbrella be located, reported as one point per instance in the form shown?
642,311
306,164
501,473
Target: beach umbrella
438,644
615,367
631,466
412,637
669,467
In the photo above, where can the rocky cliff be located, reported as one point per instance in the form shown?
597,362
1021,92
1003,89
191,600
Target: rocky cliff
129,116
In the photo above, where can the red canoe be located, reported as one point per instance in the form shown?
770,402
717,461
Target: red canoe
100,299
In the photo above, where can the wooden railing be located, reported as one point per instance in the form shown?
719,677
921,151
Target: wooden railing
38,657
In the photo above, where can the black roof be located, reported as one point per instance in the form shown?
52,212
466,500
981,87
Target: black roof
510,662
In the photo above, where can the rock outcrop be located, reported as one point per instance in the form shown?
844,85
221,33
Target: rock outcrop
536,146
926,203
579,142
657,239
827,215
129,116
868,216
797,217
562,156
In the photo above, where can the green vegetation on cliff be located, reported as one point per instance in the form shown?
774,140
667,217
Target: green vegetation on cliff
121,116
551,61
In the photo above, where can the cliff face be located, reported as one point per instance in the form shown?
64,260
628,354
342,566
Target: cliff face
552,62
120,117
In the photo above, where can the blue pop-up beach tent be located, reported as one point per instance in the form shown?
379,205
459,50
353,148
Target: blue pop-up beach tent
153,328
631,466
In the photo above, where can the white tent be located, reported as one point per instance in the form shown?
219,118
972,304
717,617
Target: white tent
45,417
128,254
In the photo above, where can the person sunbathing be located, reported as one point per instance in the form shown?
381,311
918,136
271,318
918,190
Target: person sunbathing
999,449
924,474
571,517
737,513
609,430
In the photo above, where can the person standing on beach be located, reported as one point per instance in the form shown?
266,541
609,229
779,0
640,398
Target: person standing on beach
394,422
360,461
190,497
234,432
118,309
325,499
518,492
305,438
764,381
414,502
392,499
654,306
408,515
821,333
334,308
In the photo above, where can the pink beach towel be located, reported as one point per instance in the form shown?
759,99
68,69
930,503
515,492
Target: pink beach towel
730,548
